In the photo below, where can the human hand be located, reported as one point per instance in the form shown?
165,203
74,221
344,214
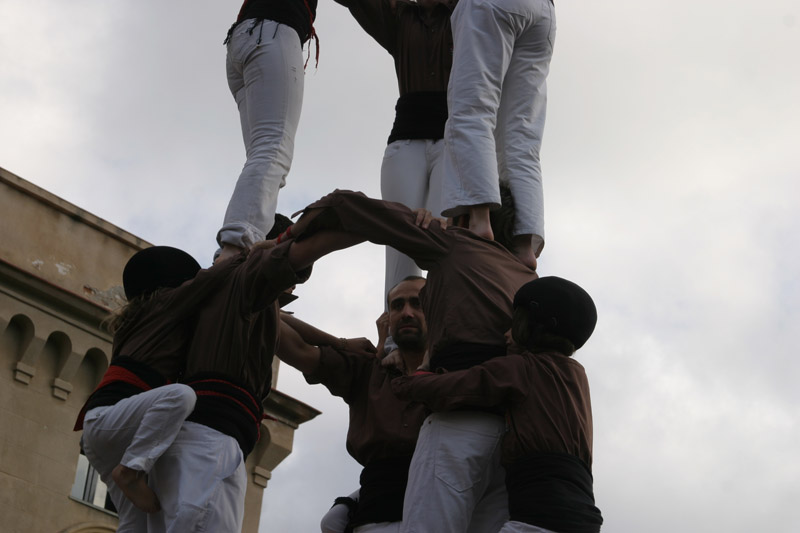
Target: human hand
383,331
264,245
302,224
426,362
394,359
424,218
357,346
228,250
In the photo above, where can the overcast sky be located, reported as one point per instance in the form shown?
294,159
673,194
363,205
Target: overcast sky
671,162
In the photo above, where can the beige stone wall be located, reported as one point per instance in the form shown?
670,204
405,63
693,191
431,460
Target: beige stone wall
64,359
54,240
60,273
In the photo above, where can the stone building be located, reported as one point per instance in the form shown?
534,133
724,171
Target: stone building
60,274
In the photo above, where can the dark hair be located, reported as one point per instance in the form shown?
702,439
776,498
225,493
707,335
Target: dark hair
535,337
407,278
502,219
281,223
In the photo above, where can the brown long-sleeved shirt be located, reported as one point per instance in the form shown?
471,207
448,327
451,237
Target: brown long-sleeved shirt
382,426
159,335
546,395
156,339
471,280
236,327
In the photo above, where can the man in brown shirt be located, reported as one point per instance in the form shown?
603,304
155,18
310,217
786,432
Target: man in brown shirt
133,415
455,479
548,450
383,429
229,366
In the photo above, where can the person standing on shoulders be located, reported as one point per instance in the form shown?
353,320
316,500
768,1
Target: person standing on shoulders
265,72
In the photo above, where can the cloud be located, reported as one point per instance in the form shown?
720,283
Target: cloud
670,171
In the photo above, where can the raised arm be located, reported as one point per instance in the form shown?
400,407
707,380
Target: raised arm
496,382
303,254
344,218
377,18
266,273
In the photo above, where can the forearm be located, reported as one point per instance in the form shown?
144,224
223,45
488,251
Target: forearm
294,351
266,274
485,385
309,333
377,18
303,254
380,222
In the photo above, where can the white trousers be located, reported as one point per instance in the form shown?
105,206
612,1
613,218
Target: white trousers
135,432
411,173
521,527
265,76
336,519
202,483
497,99
455,482
380,527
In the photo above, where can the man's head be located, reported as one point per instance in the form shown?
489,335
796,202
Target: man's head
406,320
553,313
157,267
502,218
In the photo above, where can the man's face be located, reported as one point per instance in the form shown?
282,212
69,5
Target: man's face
406,319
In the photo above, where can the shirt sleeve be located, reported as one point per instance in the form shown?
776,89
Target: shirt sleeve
339,371
382,222
377,18
496,382
183,300
265,275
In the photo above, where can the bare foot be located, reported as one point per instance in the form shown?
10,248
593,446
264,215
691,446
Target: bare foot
228,250
479,221
523,249
133,484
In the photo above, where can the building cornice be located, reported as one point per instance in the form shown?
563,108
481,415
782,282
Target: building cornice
72,210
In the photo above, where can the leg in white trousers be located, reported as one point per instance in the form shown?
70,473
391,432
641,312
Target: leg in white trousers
497,99
521,527
455,481
265,76
381,527
135,432
202,483
411,174
336,519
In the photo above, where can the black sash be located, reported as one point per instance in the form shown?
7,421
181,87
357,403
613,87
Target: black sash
111,393
420,115
553,491
383,487
227,406
463,355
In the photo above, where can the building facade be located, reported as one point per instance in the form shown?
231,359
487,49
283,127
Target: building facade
60,275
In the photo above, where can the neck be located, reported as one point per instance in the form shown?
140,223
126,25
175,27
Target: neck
411,359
